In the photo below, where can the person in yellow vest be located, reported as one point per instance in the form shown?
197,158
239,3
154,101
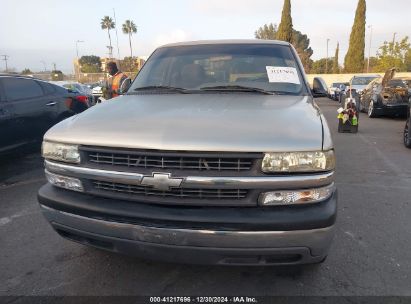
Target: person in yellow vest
114,82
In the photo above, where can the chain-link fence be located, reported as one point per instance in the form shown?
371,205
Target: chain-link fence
82,77
97,77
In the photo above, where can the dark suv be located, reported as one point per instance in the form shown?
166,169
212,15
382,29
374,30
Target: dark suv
29,107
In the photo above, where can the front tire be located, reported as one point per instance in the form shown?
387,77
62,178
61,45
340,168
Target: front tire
407,132
371,110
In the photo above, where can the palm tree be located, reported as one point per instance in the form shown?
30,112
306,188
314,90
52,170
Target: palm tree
108,24
129,28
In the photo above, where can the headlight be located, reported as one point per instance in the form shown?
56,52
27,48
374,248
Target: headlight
296,197
65,182
61,152
298,161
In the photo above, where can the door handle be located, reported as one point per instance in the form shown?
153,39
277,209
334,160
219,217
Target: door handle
51,103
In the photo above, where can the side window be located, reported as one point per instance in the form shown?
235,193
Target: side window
20,88
48,88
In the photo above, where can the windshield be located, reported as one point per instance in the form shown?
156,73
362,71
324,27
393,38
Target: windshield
396,83
336,84
362,80
265,67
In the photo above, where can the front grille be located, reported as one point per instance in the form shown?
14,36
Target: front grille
177,192
172,161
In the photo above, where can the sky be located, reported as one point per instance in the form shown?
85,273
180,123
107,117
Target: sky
34,33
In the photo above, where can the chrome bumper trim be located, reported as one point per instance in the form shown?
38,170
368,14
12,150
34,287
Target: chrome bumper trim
284,182
317,240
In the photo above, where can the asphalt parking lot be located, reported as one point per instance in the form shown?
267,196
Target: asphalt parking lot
370,255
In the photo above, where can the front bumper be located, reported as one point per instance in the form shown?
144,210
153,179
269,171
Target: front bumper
226,236
395,108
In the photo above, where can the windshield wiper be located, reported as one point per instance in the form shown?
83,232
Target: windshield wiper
165,88
237,88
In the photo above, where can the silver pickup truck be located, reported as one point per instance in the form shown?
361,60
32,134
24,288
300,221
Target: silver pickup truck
216,154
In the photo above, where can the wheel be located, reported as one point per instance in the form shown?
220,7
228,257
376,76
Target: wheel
371,110
407,131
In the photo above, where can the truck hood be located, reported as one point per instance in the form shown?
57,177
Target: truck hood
243,122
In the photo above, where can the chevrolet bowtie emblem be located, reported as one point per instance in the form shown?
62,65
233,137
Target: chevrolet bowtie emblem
161,181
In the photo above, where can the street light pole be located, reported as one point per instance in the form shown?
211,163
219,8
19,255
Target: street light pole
326,61
118,49
78,62
369,49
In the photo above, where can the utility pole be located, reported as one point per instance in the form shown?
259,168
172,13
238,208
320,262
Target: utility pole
54,65
5,57
44,65
326,61
369,49
118,49
78,60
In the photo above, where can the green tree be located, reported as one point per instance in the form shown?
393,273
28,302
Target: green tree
129,64
57,75
336,66
319,66
394,55
354,59
266,32
285,29
26,71
90,64
129,28
300,42
407,60
373,64
108,24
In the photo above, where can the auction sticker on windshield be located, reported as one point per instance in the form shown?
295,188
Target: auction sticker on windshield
282,74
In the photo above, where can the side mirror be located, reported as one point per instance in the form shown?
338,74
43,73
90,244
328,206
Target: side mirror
318,92
319,88
125,85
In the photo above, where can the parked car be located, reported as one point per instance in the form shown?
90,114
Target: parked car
82,91
407,82
355,87
360,82
97,92
385,96
29,107
319,87
217,155
342,92
334,90
407,128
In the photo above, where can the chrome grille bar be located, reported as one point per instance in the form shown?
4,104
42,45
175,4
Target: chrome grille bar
178,192
282,182
171,162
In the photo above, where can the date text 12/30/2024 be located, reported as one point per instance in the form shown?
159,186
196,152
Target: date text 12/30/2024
239,299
